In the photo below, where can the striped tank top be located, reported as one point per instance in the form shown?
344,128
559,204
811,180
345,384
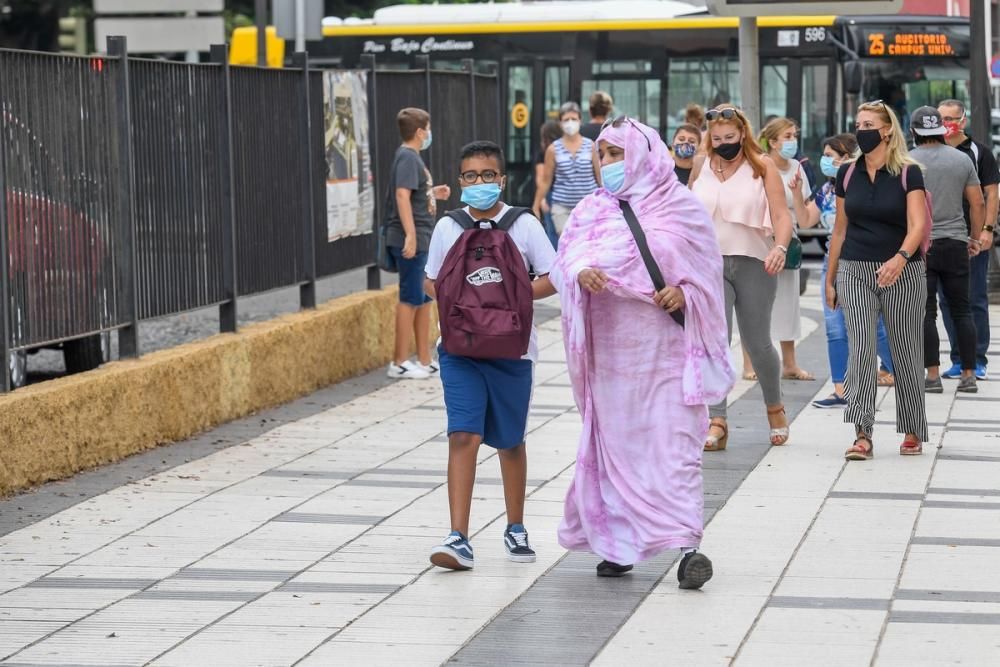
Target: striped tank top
574,173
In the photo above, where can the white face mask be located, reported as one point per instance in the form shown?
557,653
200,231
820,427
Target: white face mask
570,127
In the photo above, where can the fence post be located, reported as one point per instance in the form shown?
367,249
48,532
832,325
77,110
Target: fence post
368,64
307,291
228,309
424,63
128,279
5,328
469,65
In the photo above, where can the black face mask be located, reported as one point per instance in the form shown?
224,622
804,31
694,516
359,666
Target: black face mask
868,140
728,151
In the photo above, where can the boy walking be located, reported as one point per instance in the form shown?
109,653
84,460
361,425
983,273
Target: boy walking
409,219
487,396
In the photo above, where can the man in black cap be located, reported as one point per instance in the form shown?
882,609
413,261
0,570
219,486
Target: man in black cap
956,118
949,177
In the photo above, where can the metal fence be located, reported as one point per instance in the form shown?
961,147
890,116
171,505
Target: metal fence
137,189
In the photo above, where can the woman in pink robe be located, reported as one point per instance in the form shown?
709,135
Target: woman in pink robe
642,382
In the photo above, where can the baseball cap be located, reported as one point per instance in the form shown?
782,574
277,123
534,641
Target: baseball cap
926,121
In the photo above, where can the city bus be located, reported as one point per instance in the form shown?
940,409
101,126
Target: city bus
656,57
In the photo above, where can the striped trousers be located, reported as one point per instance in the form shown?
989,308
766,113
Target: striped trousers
902,307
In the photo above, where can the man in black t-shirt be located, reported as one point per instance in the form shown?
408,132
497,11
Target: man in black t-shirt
601,105
955,117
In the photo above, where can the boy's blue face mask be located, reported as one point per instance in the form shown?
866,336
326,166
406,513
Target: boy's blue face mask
613,176
685,151
827,166
427,142
481,196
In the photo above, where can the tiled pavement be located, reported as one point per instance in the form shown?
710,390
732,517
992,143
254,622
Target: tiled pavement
306,544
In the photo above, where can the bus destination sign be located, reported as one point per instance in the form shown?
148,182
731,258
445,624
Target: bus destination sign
890,43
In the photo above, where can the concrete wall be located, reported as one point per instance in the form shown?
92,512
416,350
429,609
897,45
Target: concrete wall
54,429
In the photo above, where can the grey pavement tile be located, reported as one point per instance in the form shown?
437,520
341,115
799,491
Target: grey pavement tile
91,582
973,429
961,505
949,617
988,399
948,596
312,474
945,456
394,483
416,472
963,492
59,664
204,596
796,602
875,495
227,574
955,541
306,517
332,587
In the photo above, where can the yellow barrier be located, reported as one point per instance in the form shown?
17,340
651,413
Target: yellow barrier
57,428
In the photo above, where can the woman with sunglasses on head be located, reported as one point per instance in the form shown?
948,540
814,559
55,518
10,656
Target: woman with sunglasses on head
642,378
742,190
684,146
571,170
876,266
837,150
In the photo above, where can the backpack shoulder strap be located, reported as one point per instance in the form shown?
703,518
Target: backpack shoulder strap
647,257
511,216
848,174
975,153
464,220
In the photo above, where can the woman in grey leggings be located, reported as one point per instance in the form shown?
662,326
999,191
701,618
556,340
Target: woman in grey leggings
742,189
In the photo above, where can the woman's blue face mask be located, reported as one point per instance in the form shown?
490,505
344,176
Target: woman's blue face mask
613,176
828,167
481,196
789,149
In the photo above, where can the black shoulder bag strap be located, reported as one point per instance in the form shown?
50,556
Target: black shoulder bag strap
511,216
647,257
464,220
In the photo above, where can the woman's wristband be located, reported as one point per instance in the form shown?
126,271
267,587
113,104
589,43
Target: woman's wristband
783,249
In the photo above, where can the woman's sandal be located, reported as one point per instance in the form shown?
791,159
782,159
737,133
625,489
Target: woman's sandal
911,447
886,379
800,375
750,376
717,443
858,452
779,435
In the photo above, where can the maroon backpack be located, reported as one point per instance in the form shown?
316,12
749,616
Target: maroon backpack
483,291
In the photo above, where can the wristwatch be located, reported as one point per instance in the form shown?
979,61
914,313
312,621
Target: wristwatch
905,255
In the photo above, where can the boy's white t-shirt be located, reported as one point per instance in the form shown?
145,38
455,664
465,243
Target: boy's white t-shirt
527,234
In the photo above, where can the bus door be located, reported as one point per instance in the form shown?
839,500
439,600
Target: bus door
535,90
634,87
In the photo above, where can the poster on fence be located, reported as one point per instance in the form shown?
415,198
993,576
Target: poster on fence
350,200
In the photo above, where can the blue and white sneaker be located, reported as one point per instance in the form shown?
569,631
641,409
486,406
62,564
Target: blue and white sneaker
515,541
455,553
981,373
432,369
831,401
954,372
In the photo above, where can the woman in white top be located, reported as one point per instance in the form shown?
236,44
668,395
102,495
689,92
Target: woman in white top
780,139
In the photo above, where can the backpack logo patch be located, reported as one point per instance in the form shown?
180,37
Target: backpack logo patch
484,276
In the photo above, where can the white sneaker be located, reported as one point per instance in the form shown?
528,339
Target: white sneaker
407,371
432,369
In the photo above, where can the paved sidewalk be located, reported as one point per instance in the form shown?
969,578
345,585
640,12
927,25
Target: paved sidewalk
307,544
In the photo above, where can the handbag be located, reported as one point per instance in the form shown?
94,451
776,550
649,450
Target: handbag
793,258
647,257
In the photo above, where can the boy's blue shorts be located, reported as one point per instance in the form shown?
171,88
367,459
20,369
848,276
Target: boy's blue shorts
411,277
488,397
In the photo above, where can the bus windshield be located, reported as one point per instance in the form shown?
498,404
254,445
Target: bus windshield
907,84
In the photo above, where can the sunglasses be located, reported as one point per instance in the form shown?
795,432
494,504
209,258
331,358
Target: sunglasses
729,113
621,120
873,103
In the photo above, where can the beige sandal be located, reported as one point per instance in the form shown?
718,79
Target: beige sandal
717,443
779,435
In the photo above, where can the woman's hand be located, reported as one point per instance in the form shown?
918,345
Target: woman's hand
775,261
795,184
593,280
442,192
831,296
888,273
670,299
544,206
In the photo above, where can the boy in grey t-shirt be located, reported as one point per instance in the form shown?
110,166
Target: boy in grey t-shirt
949,176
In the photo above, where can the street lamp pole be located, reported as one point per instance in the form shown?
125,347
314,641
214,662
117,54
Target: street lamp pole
979,76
